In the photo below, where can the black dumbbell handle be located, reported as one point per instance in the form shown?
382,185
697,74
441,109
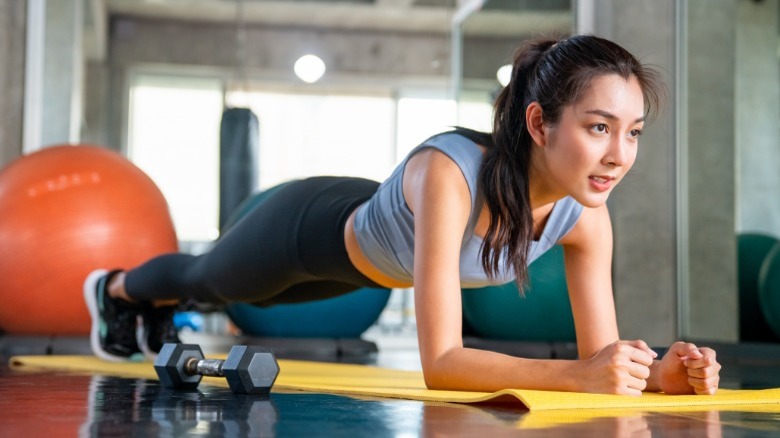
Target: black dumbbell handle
204,367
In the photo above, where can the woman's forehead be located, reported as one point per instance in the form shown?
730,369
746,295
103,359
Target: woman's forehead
614,94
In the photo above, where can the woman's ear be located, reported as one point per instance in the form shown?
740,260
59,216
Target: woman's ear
535,123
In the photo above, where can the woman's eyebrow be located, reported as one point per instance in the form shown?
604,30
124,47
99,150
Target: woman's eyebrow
609,115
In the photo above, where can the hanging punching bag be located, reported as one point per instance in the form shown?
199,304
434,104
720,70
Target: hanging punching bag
238,154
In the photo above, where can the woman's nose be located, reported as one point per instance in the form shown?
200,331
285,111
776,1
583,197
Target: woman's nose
616,154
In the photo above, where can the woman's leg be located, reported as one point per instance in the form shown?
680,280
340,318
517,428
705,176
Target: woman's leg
295,236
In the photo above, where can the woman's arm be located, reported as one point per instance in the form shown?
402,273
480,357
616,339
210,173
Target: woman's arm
588,258
685,369
437,193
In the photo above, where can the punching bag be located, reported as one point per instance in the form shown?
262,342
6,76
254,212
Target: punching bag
238,155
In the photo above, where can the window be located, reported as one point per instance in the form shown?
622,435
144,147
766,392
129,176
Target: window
304,135
172,136
422,117
174,127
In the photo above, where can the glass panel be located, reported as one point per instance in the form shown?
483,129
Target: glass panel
304,135
488,38
733,190
420,118
729,180
173,136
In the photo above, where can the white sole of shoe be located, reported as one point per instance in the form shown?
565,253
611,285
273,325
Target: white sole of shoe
94,334
140,337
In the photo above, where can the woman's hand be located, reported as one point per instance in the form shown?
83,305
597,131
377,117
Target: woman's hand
619,368
687,369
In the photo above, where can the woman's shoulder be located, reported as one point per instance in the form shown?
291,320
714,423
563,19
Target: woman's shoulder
458,140
592,225
432,163
479,137
450,158
462,150
432,176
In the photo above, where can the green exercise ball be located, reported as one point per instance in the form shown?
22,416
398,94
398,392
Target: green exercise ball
344,316
543,314
248,205
752,251
769,289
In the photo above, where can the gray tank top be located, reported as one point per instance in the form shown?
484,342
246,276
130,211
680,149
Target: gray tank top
384,225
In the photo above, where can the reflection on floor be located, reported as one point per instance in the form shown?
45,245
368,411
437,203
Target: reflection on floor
34,403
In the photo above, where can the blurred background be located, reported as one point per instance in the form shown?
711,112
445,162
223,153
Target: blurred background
348,87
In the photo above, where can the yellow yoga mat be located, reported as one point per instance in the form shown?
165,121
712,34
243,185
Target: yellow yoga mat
361,380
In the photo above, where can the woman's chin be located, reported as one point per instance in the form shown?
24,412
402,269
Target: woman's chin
592,201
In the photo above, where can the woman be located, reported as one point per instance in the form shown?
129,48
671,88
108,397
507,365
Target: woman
465,209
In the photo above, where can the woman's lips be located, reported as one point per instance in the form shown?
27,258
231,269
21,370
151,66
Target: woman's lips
601,183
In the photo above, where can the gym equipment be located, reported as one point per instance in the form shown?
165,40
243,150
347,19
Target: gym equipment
345,316
543,314
752,251
769,289
247,369
248,205
239,140
67,210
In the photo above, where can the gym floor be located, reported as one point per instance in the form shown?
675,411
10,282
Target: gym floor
44,403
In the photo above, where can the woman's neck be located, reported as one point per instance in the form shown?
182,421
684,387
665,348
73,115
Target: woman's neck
540,190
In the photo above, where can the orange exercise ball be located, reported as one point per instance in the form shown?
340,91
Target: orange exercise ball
65,211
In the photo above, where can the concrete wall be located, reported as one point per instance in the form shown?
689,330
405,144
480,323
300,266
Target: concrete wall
710,306
63,77
353,58
374,60
643,206
275,50
12,49
675,254
98,126
675,250
758,114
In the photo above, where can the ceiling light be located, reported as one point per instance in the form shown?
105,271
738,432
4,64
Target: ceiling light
504,74
309,68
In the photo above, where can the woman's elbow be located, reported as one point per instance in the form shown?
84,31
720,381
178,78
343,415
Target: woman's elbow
432,380
436,379
440,370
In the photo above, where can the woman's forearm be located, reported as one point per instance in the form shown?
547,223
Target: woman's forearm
653,384
485,371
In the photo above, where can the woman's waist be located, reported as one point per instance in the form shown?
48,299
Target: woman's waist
362,263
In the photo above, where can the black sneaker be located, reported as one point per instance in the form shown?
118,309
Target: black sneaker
157,328
114,321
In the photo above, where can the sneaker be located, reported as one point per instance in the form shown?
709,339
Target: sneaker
114,321
157,328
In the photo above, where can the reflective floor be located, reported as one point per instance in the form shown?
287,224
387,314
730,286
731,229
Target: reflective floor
34,403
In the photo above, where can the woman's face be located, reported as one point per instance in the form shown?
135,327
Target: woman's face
595,142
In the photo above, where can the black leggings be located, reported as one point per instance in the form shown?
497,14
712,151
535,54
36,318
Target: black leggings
288,249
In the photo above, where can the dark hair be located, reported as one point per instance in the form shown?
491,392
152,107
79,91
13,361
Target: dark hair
555,73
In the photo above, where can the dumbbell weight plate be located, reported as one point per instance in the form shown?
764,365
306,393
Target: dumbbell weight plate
250,369
170,365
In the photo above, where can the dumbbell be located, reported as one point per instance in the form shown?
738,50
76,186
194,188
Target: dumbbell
248,369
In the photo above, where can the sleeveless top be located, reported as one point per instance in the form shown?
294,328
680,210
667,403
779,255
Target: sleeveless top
384,225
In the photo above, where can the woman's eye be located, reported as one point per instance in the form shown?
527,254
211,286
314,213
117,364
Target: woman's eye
636,133
600,128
